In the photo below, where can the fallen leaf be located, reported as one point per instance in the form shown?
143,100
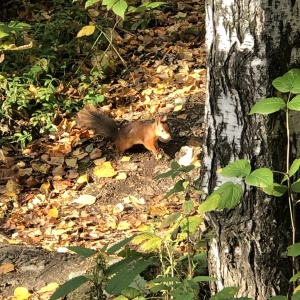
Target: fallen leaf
121,176
49,287
118,208
6,268
105,170
21,293
83,178
71,162
85,199
125,158
124,225
53,213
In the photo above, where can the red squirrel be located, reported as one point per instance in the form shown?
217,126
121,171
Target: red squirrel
127,135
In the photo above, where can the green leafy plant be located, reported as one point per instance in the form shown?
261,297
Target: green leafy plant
228,195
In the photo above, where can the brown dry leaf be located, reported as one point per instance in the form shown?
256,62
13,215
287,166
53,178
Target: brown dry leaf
85,199
72,174
53,213
25,172
79,154
58,171
13,187
100,161
96,153
105,170
6,268
60,185
56,160
42,168
71,162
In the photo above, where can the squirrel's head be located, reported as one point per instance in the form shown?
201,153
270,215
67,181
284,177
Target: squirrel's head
162,129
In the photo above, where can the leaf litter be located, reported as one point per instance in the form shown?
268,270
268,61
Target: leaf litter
71,188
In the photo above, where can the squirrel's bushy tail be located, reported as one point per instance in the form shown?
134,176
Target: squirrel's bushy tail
94,119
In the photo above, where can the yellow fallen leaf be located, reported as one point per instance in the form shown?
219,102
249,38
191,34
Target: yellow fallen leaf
45,186
49,287
83,178
121,176
21,293
105,170
178,107
125,158
53,213
124,225
86,30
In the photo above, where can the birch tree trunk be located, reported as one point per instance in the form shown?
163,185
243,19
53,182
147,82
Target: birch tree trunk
249,43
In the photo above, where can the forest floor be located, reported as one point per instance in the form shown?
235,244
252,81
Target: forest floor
58,193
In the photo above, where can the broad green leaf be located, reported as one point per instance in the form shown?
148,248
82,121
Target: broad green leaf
186,168
211,203
230,195
296,186
109,3
119,265
68,287
188,206
276,190
119,8
125,276
160,287
140,238
238,168
289,82
294,167
85,252
262,177
279,298
267,106
165,279
152,244
86,30
3,34
203,278
295,277
191,224
175,165
118,246
294,250
178,187
15,25
164,175
155,4
294,104
227,292
130,293
89,3
170,220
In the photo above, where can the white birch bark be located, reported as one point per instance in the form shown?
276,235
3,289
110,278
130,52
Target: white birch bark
249,43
